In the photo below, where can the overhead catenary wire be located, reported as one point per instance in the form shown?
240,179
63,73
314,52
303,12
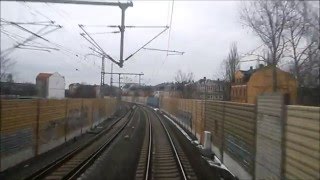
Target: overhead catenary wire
146,44
169,37
165,58
130,26
83,35
36,49
9,36
18,36
45,33
50,48
38,34
71,52
66,18
36,11
22,46
30,39
98,46
54,9
163,50
24,29
170,25
39,48
10,50
100,53
110,32
36,23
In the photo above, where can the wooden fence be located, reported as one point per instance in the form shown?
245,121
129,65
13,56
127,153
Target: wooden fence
32,127
233,127
302,142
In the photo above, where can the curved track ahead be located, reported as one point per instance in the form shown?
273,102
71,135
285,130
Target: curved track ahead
161,157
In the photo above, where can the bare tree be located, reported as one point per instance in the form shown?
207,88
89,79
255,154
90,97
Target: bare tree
267,19
302,46
231,64
184,83
5,65
310,12
184,78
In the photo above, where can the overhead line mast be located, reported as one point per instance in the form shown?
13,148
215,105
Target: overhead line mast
119,79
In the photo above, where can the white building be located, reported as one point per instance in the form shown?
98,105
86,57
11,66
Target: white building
51,85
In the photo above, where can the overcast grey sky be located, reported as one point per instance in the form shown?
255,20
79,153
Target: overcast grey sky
202,29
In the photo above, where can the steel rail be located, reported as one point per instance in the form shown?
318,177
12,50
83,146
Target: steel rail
149,158
85,164
50,167
182,171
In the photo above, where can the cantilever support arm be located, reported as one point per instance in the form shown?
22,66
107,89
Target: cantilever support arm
80,2
146,44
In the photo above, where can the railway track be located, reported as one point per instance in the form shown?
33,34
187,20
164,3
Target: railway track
160,157
74,163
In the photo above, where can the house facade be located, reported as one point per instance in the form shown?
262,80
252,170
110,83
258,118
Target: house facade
239,86
212,89
249,84
50,85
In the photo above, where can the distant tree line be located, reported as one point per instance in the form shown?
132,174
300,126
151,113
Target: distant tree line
184,83
21,89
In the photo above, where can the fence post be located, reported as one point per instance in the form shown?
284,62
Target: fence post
81,116
92,112
66,121
270,144
222,127
37,129
283,140
255,142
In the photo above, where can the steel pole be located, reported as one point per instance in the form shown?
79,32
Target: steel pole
122,28
139,80
111,79
102,77
119,95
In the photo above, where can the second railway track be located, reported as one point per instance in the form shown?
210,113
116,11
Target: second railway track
74,163
161,157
